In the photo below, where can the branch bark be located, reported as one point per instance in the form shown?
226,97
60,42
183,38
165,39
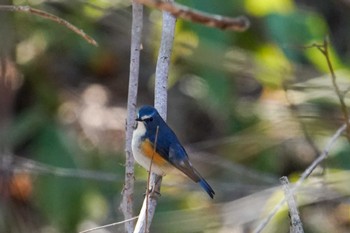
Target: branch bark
296,225
128,191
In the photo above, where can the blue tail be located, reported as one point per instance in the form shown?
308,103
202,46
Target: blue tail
207,188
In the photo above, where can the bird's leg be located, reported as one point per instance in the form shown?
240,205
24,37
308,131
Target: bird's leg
153,191
154,194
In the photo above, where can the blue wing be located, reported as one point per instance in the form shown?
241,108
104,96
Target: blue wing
179,158
169,147
165,137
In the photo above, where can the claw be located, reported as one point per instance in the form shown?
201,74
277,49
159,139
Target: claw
152,193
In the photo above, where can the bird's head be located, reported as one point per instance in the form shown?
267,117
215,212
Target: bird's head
149,116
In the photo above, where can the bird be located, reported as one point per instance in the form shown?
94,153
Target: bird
155,146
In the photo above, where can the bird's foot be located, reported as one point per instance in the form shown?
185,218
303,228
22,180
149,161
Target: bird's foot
152,193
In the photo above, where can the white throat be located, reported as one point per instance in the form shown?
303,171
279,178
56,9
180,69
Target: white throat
143,160
139,132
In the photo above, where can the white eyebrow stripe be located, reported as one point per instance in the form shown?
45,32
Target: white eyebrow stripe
146,117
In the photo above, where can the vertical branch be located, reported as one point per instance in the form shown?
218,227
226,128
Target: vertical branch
295,225
137,24
160,103
163,62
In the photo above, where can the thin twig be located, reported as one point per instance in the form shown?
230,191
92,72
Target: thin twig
324,49
109,225
296,224
136,34
147,192
149,176
46,15
303,177
240,23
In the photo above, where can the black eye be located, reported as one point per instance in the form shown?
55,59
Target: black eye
151,119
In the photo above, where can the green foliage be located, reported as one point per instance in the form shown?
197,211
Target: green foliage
60,198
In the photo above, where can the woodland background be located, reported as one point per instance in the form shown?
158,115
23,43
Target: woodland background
249,107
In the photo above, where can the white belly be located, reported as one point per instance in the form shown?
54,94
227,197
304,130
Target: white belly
140,158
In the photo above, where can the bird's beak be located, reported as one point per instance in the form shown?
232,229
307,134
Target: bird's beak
137,121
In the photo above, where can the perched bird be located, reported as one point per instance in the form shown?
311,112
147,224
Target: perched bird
152,131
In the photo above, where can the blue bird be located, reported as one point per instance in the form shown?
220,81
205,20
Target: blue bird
152,131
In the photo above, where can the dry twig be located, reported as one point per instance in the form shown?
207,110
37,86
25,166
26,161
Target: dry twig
46,15
149,175
324,49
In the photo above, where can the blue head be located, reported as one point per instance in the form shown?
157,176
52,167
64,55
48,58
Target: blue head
149,116
151,119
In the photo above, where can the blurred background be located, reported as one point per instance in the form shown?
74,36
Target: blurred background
249,107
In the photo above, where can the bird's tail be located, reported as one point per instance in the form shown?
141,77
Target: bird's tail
207,187
191,172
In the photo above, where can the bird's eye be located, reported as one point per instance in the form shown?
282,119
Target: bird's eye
151,119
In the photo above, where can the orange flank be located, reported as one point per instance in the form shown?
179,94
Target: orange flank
148,150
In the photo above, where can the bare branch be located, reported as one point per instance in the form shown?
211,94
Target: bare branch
160,103
46,15
303,177
136,34
240,23
296,225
